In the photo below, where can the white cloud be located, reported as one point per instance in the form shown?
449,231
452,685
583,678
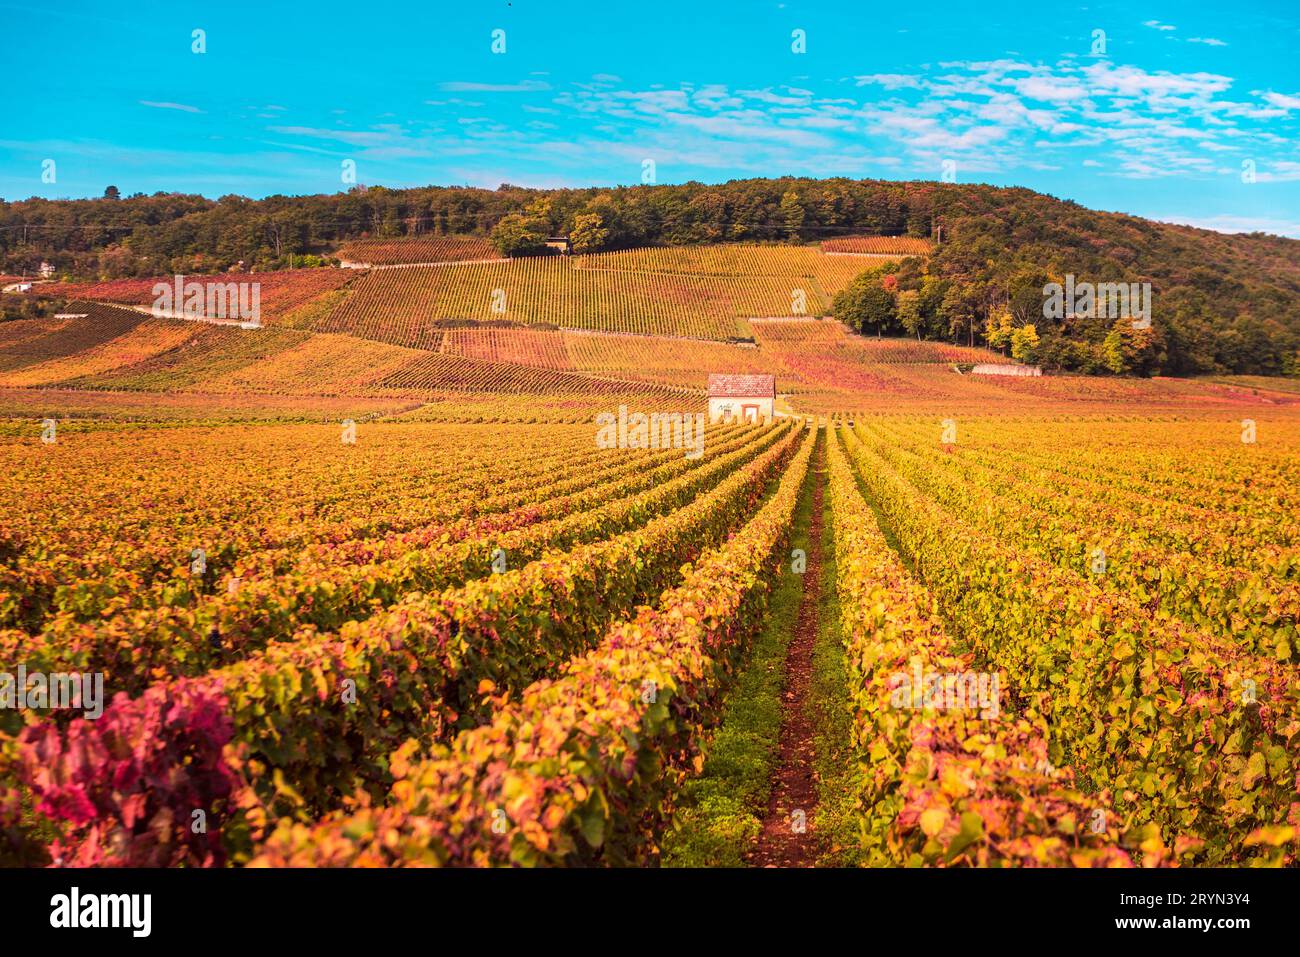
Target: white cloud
1050,88
1285,101
1277,171
1133,81
184,108
890,81
523,86
1208,41
355,138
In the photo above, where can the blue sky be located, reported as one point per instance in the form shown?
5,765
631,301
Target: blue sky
1159,123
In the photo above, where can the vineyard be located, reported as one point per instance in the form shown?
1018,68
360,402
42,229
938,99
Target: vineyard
698,293
396,643
879,246
430,249
566,329
433,568
819,364
280,292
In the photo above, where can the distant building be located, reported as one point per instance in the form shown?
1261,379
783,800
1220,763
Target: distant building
46,270
994,368
559,242
751,398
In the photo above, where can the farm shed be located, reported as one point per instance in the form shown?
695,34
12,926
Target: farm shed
748,397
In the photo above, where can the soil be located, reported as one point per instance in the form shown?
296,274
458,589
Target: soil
787,838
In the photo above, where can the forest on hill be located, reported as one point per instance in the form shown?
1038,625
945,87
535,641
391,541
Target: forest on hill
1220,304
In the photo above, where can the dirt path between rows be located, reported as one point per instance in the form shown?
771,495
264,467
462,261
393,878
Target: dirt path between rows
787,838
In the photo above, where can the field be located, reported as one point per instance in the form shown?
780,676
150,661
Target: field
705,293
878,246
281,292
367,587
432,249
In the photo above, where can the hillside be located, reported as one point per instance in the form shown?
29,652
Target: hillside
1222,304
122,363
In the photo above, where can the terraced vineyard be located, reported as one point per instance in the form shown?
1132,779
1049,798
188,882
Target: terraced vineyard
26,342
114,348
280,291
704,293
430,249
879,245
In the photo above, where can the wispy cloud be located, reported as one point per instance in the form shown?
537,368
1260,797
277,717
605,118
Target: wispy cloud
523,86
890,81
354,137
1283,100
183,107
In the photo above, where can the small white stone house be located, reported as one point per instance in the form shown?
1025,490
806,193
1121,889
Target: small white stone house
750,398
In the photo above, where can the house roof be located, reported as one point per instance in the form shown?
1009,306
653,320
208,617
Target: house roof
741,386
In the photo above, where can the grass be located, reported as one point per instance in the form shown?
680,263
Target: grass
720,812
835,760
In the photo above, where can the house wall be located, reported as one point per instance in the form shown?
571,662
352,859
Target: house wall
993,368
719,407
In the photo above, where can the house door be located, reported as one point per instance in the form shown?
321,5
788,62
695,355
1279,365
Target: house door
749,413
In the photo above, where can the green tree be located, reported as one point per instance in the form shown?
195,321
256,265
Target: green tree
909,312
519,235
542,212
959,313
1129,351
1024,343
865,304
930,301
792,214
998,330
589,234
1025,296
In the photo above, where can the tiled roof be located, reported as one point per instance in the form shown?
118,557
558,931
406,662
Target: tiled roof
741,386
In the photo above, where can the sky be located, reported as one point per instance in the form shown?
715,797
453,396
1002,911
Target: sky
1185,112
